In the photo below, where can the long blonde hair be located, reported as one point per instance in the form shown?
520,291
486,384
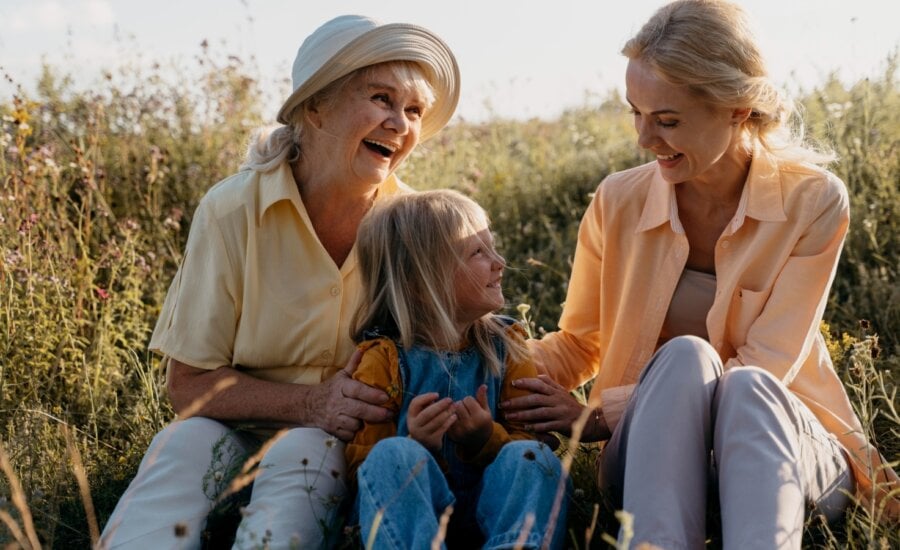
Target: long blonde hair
270,146
409,250
708,47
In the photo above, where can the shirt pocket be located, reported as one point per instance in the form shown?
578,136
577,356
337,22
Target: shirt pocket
746,307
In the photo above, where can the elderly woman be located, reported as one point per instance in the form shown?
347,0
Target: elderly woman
255,327
698,285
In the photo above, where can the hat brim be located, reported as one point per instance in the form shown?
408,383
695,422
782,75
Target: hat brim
391,42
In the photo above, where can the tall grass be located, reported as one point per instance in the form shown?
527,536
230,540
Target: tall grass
97,189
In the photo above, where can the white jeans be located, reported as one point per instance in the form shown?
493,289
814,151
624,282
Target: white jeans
298,489
688,425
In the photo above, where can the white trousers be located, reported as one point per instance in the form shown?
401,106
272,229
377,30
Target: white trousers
295,496
689,427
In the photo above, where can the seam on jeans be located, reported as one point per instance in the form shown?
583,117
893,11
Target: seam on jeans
807,418
713,463
509,540
391,536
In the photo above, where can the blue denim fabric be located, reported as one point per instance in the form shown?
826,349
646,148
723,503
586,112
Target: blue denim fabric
402,479
401,482
449,374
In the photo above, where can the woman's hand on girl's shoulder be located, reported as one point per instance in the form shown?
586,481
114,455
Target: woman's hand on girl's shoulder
548,408
341,404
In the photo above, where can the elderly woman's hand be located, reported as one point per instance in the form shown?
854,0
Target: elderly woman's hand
341,404
551,408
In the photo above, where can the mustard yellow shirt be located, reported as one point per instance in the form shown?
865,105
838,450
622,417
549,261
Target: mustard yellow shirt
775,263
256,290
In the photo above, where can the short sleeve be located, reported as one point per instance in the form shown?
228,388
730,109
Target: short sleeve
200,313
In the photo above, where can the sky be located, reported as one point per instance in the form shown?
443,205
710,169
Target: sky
518,58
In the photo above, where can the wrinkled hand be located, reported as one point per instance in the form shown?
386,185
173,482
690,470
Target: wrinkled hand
474,425
428,419
341,404
549,408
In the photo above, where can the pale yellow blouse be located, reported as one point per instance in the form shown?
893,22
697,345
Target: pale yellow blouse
256,289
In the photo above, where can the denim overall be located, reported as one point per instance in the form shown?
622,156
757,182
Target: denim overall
402,482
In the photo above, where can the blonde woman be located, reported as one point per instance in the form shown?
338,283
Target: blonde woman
698,285
255,327
431,282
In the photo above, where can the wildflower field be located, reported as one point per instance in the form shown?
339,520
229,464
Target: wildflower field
97,190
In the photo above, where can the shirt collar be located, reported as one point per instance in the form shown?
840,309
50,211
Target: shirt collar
658,205
761,198
278,185
764,199
275,186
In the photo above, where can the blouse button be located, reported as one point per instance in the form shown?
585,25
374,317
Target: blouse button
725,244
335,291
326,355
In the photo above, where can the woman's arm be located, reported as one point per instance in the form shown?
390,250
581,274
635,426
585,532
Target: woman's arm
781,335
549,407
534,403
338,405
568,357
571,354
198,327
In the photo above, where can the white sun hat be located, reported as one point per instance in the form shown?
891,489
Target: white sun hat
350,42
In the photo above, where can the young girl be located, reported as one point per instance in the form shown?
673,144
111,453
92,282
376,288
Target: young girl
431,279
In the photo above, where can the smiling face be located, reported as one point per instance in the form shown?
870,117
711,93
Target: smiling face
693,140
368,129
477,280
